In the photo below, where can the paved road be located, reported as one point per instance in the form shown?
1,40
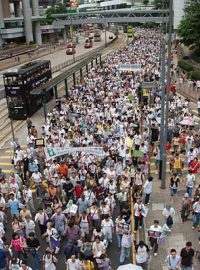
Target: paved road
60,57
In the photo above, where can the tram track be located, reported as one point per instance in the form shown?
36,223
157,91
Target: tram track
5,123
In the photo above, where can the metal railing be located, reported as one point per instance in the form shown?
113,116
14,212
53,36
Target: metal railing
78,58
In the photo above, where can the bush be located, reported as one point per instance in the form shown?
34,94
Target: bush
195,75
182,64
196,56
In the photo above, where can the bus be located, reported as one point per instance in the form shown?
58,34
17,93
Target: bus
20,84
97,35
130,31
89,28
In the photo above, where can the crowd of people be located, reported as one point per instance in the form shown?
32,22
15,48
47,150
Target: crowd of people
84,201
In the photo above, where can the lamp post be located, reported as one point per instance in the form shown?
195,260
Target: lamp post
165,126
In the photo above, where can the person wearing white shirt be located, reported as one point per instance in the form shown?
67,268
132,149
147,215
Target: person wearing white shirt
37,177
73,263
49,261
169,213
147,188
138,210
104,181
28,197
196,216
107,226
154,232
190,179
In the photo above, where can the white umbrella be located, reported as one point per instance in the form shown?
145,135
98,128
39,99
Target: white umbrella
129,267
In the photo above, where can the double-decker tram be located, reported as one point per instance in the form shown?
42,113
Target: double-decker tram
130,31
20,84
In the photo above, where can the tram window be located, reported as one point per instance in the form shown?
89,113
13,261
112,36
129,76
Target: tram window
13,80
15,101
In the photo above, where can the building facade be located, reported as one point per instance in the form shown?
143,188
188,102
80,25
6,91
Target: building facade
19,18
178,6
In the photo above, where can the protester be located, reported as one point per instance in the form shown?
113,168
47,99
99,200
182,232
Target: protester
173,261
187,256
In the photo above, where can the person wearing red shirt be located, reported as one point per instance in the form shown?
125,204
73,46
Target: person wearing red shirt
63,169
194,165
78,190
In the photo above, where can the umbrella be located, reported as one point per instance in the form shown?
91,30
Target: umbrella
129,267
187,122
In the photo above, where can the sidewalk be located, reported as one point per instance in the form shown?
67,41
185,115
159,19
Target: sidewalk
181,232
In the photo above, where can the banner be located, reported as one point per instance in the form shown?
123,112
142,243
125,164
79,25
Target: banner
51,153
129,67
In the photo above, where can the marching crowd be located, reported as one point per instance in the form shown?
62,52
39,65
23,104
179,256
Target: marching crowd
84,201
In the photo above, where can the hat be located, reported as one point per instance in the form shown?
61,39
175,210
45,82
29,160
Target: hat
186,195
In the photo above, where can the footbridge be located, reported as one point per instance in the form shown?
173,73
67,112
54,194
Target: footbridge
112,16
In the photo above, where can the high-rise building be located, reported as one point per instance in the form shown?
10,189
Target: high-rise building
20,18
178,6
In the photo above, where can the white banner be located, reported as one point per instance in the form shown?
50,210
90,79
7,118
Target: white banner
56,152
129,67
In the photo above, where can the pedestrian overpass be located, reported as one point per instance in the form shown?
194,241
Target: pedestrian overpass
127,15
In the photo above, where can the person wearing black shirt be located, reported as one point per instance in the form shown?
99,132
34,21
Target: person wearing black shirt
34,245
68,188
47,200
187,255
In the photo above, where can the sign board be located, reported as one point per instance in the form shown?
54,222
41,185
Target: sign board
39,142
145,93
129,67
137,153
148,85
51,153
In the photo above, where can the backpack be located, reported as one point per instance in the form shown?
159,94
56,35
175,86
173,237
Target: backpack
169,221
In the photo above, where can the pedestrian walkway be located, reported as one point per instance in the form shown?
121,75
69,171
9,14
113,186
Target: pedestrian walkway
181,232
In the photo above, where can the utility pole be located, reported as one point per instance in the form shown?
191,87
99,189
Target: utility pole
162,124
164,141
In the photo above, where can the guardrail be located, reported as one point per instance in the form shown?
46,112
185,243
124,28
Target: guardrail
78,58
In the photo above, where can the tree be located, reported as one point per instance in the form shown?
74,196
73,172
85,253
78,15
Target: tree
159,4
50,11
145,2
189,28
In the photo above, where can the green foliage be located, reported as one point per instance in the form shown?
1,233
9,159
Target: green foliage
50,11
196,56
189,28
195,75
182,64
31,43
159,4
145,2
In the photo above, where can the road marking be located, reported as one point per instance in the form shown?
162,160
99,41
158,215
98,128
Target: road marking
6,157
5,164
6,171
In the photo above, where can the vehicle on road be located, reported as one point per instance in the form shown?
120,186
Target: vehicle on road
97,35
88,45
22,88
70,51
130,32
71,45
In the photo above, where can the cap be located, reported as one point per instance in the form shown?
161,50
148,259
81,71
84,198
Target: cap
186,195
